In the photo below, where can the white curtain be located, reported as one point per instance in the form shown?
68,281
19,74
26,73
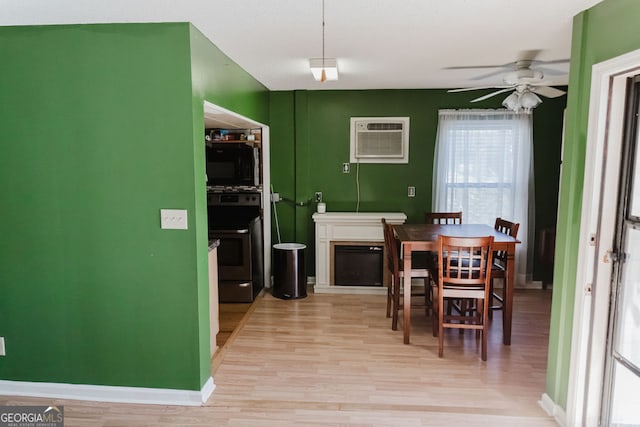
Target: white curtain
483,166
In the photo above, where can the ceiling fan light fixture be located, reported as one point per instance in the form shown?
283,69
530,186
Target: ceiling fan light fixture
327,65
512,102
522,100
529,101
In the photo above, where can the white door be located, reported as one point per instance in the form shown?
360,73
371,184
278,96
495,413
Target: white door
621,396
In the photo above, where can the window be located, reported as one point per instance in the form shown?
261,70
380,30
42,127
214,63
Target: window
483,167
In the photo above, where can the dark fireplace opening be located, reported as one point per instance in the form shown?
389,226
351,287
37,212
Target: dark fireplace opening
358,264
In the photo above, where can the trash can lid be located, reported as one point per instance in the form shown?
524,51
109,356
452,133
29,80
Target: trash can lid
289,246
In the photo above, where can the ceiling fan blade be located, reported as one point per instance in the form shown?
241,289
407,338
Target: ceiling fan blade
498,92
553,61
529,55
547,91
466,89
551,71
475,67
487,75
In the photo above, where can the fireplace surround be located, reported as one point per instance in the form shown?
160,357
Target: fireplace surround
347,228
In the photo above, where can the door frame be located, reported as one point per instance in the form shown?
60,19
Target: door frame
237,121
599,206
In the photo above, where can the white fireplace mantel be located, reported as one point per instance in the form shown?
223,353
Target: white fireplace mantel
347,227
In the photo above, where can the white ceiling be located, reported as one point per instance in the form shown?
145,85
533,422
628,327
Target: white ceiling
379,44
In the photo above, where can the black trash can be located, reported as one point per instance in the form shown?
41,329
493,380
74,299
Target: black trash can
289,276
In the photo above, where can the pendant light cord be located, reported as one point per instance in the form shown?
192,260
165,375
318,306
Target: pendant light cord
323,76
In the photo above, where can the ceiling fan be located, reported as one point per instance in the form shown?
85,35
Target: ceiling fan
520,78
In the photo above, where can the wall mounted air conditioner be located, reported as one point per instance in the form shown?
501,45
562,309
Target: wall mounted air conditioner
379,140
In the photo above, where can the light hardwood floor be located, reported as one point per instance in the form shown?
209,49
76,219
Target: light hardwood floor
333,360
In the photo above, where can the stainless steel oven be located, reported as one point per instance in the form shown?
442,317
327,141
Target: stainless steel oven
235,219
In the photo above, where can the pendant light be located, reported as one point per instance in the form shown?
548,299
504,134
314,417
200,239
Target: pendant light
324,69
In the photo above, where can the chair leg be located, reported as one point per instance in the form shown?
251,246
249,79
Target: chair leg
396,304
480,316
491,300
465,310
434,312
390,298
440,327
485,327
428,301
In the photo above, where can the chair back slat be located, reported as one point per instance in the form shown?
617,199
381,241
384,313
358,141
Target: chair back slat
390,246
509,228
464,279
443,217
463,261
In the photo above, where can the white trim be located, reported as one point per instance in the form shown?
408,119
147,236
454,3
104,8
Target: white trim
266,204
554,410
602,160
207,390
334,227
99,393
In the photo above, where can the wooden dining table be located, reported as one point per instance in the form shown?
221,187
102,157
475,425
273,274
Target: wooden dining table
424,237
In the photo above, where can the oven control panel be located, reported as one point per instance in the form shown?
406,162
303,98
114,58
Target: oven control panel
234,199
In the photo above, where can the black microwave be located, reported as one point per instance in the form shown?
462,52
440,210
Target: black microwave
232,163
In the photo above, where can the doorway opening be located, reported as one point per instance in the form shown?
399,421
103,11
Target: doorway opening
219,117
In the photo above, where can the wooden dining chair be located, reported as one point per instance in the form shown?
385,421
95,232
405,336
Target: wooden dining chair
394,291
463,273
443,217
499,265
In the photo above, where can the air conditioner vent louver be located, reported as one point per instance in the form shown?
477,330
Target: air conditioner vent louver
384,126
379,140
374,144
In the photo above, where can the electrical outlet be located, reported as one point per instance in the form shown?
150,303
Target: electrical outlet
346,167
275,197
411,191
318,196
173,219
2,349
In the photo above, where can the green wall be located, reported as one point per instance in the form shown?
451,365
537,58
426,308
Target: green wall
218,80
605,31
101,128
311,129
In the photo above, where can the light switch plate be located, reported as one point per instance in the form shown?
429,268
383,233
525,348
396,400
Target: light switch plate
173,219
411,191
2,350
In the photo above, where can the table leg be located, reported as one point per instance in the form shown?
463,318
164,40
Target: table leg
406,283
507,308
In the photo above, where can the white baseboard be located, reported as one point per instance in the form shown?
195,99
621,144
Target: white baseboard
207,390
553,410
98,393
